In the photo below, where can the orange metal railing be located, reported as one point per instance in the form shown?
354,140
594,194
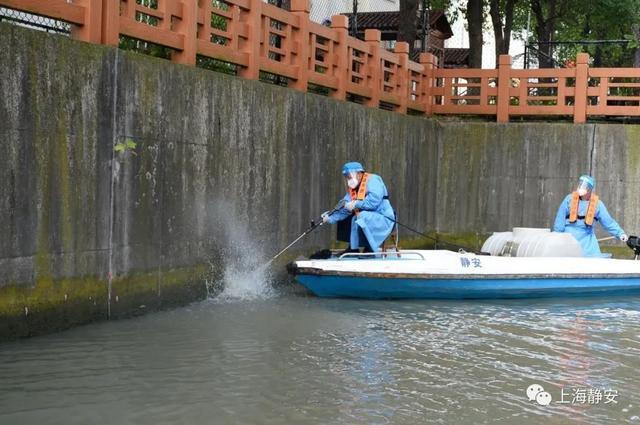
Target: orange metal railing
256,37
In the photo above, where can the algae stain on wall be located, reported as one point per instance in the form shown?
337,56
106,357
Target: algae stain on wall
632,179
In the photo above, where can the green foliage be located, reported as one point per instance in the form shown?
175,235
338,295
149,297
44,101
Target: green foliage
633,42
145,47
599,20
577,20
217,21
454,10
127,146
570,20
216,65
152,4
151,49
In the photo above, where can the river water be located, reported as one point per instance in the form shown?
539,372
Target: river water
285,357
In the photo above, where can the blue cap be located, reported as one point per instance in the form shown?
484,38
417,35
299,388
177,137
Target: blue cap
352,166
590,181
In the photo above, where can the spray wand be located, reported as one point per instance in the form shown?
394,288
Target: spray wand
311,228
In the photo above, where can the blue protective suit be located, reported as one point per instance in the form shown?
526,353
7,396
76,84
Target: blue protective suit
583,233
376,217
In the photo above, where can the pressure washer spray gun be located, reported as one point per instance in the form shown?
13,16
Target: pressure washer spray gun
634,243
314,225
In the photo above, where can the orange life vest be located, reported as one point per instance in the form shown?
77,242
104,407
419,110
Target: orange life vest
591,209
358,195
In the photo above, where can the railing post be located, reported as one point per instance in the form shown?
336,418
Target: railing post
301,9
430,62
91,31
188,27
402,50
340,24
504,87
111,22
373,37
251,46
581,89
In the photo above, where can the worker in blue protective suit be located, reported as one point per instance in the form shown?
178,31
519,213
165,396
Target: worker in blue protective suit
366,219
578,214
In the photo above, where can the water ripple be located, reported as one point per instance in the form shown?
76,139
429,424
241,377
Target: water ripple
293,359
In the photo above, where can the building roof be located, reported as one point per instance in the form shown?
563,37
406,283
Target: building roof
456,57
389,21
453,57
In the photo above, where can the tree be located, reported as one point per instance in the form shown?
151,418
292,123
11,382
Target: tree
408,24
502,14
635,29
604,20
475,19
545,14
576,20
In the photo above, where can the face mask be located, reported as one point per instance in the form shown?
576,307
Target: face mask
582,192
352,182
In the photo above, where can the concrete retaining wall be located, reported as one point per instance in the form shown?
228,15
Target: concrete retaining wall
80,221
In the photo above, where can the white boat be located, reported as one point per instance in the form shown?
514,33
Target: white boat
458,275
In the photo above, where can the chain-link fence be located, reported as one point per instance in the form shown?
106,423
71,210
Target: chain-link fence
282,4
562,54
323,10
34,21
53,25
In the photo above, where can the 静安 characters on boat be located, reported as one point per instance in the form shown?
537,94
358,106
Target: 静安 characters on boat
578,214
367,218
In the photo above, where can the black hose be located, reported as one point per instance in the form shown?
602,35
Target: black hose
436,240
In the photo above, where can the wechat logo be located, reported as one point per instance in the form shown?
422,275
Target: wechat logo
536,393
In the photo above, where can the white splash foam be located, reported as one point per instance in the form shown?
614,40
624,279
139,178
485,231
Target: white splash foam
246,283
245,276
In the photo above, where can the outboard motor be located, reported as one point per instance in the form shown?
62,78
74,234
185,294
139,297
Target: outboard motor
634,243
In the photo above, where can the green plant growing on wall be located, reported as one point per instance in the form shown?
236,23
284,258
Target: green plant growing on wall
127,146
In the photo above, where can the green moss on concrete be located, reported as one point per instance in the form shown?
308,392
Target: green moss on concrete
177,277
471,241
49,293
154,282
620,252
59,303
633,149
142,292
64,183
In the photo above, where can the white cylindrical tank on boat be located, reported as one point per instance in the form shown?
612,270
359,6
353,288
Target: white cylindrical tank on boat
495,243
522,233
549,244
532,242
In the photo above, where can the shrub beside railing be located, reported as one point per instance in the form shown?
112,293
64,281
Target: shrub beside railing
255,38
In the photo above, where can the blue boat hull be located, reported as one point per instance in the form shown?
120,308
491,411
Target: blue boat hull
486,288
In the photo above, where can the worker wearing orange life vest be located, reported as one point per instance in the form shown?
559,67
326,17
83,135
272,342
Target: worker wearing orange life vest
578,214
367,215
